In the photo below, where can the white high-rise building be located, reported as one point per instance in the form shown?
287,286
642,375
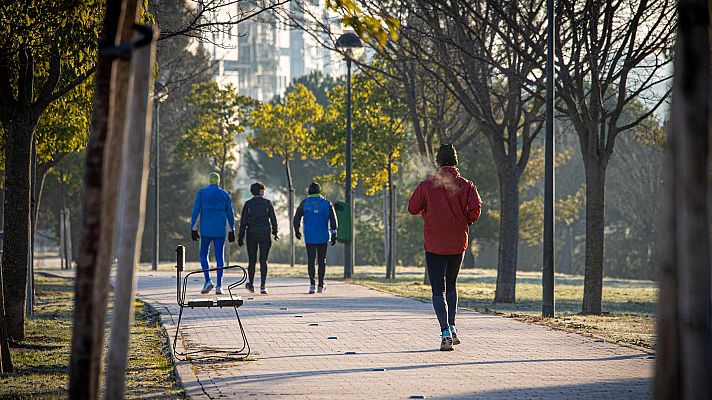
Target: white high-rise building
261,56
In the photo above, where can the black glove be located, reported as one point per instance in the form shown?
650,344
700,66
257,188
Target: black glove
231,237
276,237
194,235
333,238
240,242
298,235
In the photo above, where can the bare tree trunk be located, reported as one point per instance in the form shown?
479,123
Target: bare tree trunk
290,206
685,307
62,240
30,303
508,237
2,204
5,360
595,223
134,180
468,260
18,150
566,259
99,205
68,254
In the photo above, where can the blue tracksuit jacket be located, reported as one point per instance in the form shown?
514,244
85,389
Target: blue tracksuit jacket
213,211
319,216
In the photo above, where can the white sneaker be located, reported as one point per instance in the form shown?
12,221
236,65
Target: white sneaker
207,287
218,289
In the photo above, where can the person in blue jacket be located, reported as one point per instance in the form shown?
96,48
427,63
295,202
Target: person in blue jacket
319,224
213,212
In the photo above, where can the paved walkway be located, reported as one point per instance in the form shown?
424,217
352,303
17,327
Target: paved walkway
395,343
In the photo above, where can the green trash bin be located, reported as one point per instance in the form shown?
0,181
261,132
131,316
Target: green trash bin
343,215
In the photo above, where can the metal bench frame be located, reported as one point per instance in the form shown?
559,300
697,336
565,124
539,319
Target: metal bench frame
233,300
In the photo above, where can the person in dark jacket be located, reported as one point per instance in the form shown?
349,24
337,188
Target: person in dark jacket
257,221
449,204
319,224
213,211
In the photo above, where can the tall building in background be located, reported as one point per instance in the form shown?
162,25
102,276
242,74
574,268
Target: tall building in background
305,51
261,56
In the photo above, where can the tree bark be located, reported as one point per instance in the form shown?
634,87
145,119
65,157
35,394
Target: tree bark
595,224
508,236
290,206
5,359
18,155
684,346
99,204
468,260
134,180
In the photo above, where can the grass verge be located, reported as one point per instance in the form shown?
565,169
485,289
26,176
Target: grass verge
42,360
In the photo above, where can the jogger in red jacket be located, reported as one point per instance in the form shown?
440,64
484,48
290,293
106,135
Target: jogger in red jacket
449,204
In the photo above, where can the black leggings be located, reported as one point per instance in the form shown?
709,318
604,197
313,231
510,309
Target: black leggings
263,242
443,270
312,251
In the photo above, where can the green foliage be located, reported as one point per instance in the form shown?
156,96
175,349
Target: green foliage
378,131
68,29
285,129
64,126
220,115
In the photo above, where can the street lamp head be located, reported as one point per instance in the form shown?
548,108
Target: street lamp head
350,45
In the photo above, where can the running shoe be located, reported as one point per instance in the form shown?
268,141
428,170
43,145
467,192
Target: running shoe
263,290
312,289
218,289
207,287
321,289
446,342
250,287
453,333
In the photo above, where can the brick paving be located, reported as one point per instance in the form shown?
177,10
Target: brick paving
394,341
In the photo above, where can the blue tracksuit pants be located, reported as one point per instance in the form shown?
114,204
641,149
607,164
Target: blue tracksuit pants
218,247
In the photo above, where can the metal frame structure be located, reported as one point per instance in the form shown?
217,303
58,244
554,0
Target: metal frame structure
232,300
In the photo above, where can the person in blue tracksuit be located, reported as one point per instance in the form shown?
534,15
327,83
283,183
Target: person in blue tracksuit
213,212
319,224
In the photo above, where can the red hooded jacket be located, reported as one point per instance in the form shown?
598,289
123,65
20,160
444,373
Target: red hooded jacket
448,203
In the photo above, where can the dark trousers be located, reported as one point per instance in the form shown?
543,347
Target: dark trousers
316,252
261,242
443,270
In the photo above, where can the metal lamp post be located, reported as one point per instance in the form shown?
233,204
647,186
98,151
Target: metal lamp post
352,48
547,305
159,95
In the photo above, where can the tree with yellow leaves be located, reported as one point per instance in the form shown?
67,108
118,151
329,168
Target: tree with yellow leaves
285,130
